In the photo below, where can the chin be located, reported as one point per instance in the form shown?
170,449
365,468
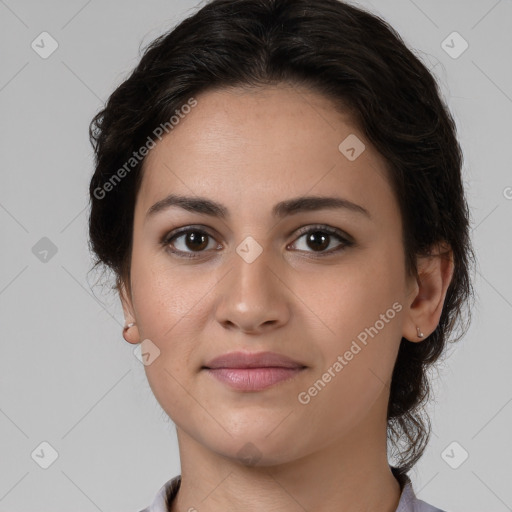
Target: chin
259,450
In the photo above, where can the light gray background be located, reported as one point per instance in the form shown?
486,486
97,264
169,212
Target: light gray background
67,377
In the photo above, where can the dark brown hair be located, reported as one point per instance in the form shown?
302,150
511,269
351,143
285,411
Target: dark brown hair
358,61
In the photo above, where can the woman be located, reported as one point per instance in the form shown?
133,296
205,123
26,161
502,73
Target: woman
278,191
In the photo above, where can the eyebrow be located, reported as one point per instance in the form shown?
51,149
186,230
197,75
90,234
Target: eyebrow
289,207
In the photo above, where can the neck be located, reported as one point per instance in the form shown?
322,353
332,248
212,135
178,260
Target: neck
351,474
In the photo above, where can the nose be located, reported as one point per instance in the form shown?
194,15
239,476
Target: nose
253,297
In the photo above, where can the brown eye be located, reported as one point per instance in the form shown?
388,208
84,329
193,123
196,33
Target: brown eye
189,241
319,238
196,241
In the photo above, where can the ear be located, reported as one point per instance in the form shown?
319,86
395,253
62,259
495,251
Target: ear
131,335
428,292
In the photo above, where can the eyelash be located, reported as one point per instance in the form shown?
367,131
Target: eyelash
340,235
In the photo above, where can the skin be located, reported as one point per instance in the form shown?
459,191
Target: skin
248,150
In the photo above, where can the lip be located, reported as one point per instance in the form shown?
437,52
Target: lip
252,379
253,371
253,360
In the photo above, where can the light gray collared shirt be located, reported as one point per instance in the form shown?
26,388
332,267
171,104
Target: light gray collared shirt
408,500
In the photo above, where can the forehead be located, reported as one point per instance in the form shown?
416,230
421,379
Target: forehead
266,142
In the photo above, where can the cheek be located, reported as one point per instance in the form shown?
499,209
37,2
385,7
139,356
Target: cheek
357,357
348,298
356,316
171,307
168,296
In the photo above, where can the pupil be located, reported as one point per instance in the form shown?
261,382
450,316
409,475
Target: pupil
316,237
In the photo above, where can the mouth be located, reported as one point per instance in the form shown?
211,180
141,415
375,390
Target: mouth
253,372
253,379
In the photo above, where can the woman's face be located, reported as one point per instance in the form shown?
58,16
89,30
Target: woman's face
260,279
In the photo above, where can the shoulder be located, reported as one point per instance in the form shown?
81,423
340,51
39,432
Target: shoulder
410,503
165,496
